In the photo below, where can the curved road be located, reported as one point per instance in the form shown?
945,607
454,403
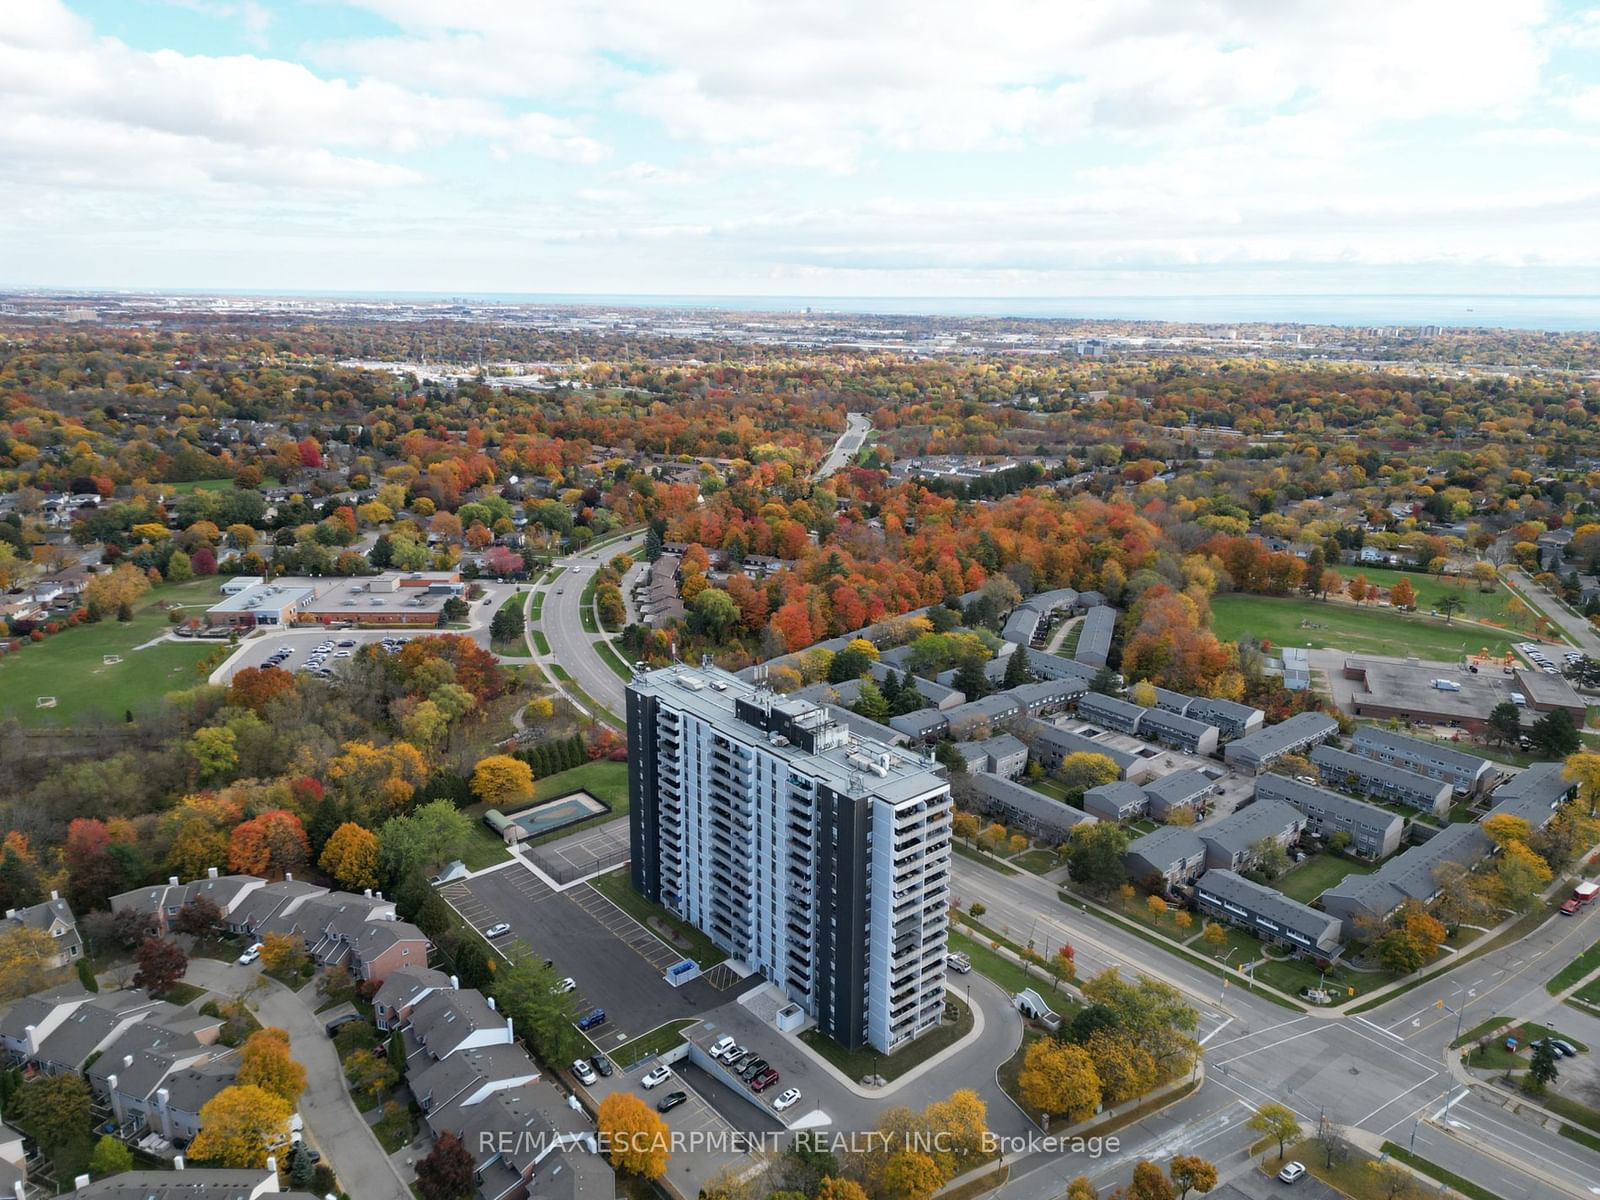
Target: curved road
857,427
561,622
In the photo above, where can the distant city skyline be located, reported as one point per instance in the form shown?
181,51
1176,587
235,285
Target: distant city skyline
1118,149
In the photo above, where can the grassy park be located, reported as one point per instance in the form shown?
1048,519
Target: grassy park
1477,604
1317,874
71,665
1291,621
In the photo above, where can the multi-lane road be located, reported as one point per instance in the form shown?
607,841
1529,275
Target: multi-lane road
1383,1072
561,622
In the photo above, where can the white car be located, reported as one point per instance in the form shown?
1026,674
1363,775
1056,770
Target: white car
732,1054
584,1072
569,984
497,930
788,1100
250,955
721,1046
656,1077
1292,1173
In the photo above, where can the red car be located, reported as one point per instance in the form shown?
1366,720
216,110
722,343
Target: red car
1570,907
764,1080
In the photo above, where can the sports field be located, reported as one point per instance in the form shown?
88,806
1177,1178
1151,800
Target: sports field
1430,589
70,665
1288,621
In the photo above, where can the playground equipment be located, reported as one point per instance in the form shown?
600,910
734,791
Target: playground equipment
45,702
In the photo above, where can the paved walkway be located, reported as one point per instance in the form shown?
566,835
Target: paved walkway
332,1123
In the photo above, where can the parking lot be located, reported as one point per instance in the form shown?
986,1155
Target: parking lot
302,643
616,962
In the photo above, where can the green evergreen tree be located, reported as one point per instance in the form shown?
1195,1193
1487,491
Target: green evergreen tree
1017,672
970,680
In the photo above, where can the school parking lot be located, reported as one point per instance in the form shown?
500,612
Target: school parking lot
617,963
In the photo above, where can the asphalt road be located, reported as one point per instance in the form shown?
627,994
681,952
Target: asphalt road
561,622
1578,629
1383,1072
856,429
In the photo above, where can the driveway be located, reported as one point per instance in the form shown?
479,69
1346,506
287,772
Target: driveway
332,1123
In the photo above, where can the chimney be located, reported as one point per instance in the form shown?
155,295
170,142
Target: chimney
11,914
379,895
55,895
177,1163
30,1032
288,876
21,1192
116,1098
172,881
211,872
491,1003
455,985
272,1164
79,1182
127,1061
511,1036
163,1106
367,892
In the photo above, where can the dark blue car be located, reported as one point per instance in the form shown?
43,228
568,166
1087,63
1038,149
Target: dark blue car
595,1016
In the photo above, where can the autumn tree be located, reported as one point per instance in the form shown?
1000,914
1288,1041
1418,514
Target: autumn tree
1191,1173
503,781
27,962
271,845
111,1157
910,1175
198,917
264,1062
448,1171
54,1109
1081,770
256,687
1276,1121
633,1136
351,857
284,953
1059,1079
238,1127
1126,1070
1149,1182
161,965
1403,595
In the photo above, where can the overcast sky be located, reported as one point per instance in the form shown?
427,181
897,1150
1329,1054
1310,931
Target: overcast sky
821,147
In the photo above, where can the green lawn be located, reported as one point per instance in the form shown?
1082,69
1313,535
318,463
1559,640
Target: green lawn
1040,862
542,643
199,485
1237,947
858,1064
512,647
1430,589
1287,621
1295,975
616,887
994,864
647,1045
612,659
1585,964
1011,975
484,848
70,666
1317,874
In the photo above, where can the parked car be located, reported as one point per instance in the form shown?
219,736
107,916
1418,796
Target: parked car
1292,1173
601,1063
721,1046
250,955
656,1076
569,984
788,1100
737,1065
592,1018
1570,907
1566,1048
733,1054
764,1080
585,1073
753,1068
500,929
958,962
671,1101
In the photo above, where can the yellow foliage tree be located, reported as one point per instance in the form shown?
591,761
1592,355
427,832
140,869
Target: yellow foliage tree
27,961
910,1175
503,781
351,856
282,952
634,1138
1125,1070
264,1062
238,1125
1059,1078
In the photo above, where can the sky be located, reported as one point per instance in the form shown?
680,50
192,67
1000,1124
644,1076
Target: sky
816,147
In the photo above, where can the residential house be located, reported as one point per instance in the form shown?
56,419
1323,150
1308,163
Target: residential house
1182,733
1257,751
1180,792
1269,914
1466,773
1534,795
188,1183
1233,843
1051,744
1165,858
1036,814
1116,801
1002,755
54,917
1361,902
402,990
1370,777
1374,832
1094,637
1112,712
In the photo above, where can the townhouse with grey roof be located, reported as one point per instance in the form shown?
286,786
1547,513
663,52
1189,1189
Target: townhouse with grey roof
1356,773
